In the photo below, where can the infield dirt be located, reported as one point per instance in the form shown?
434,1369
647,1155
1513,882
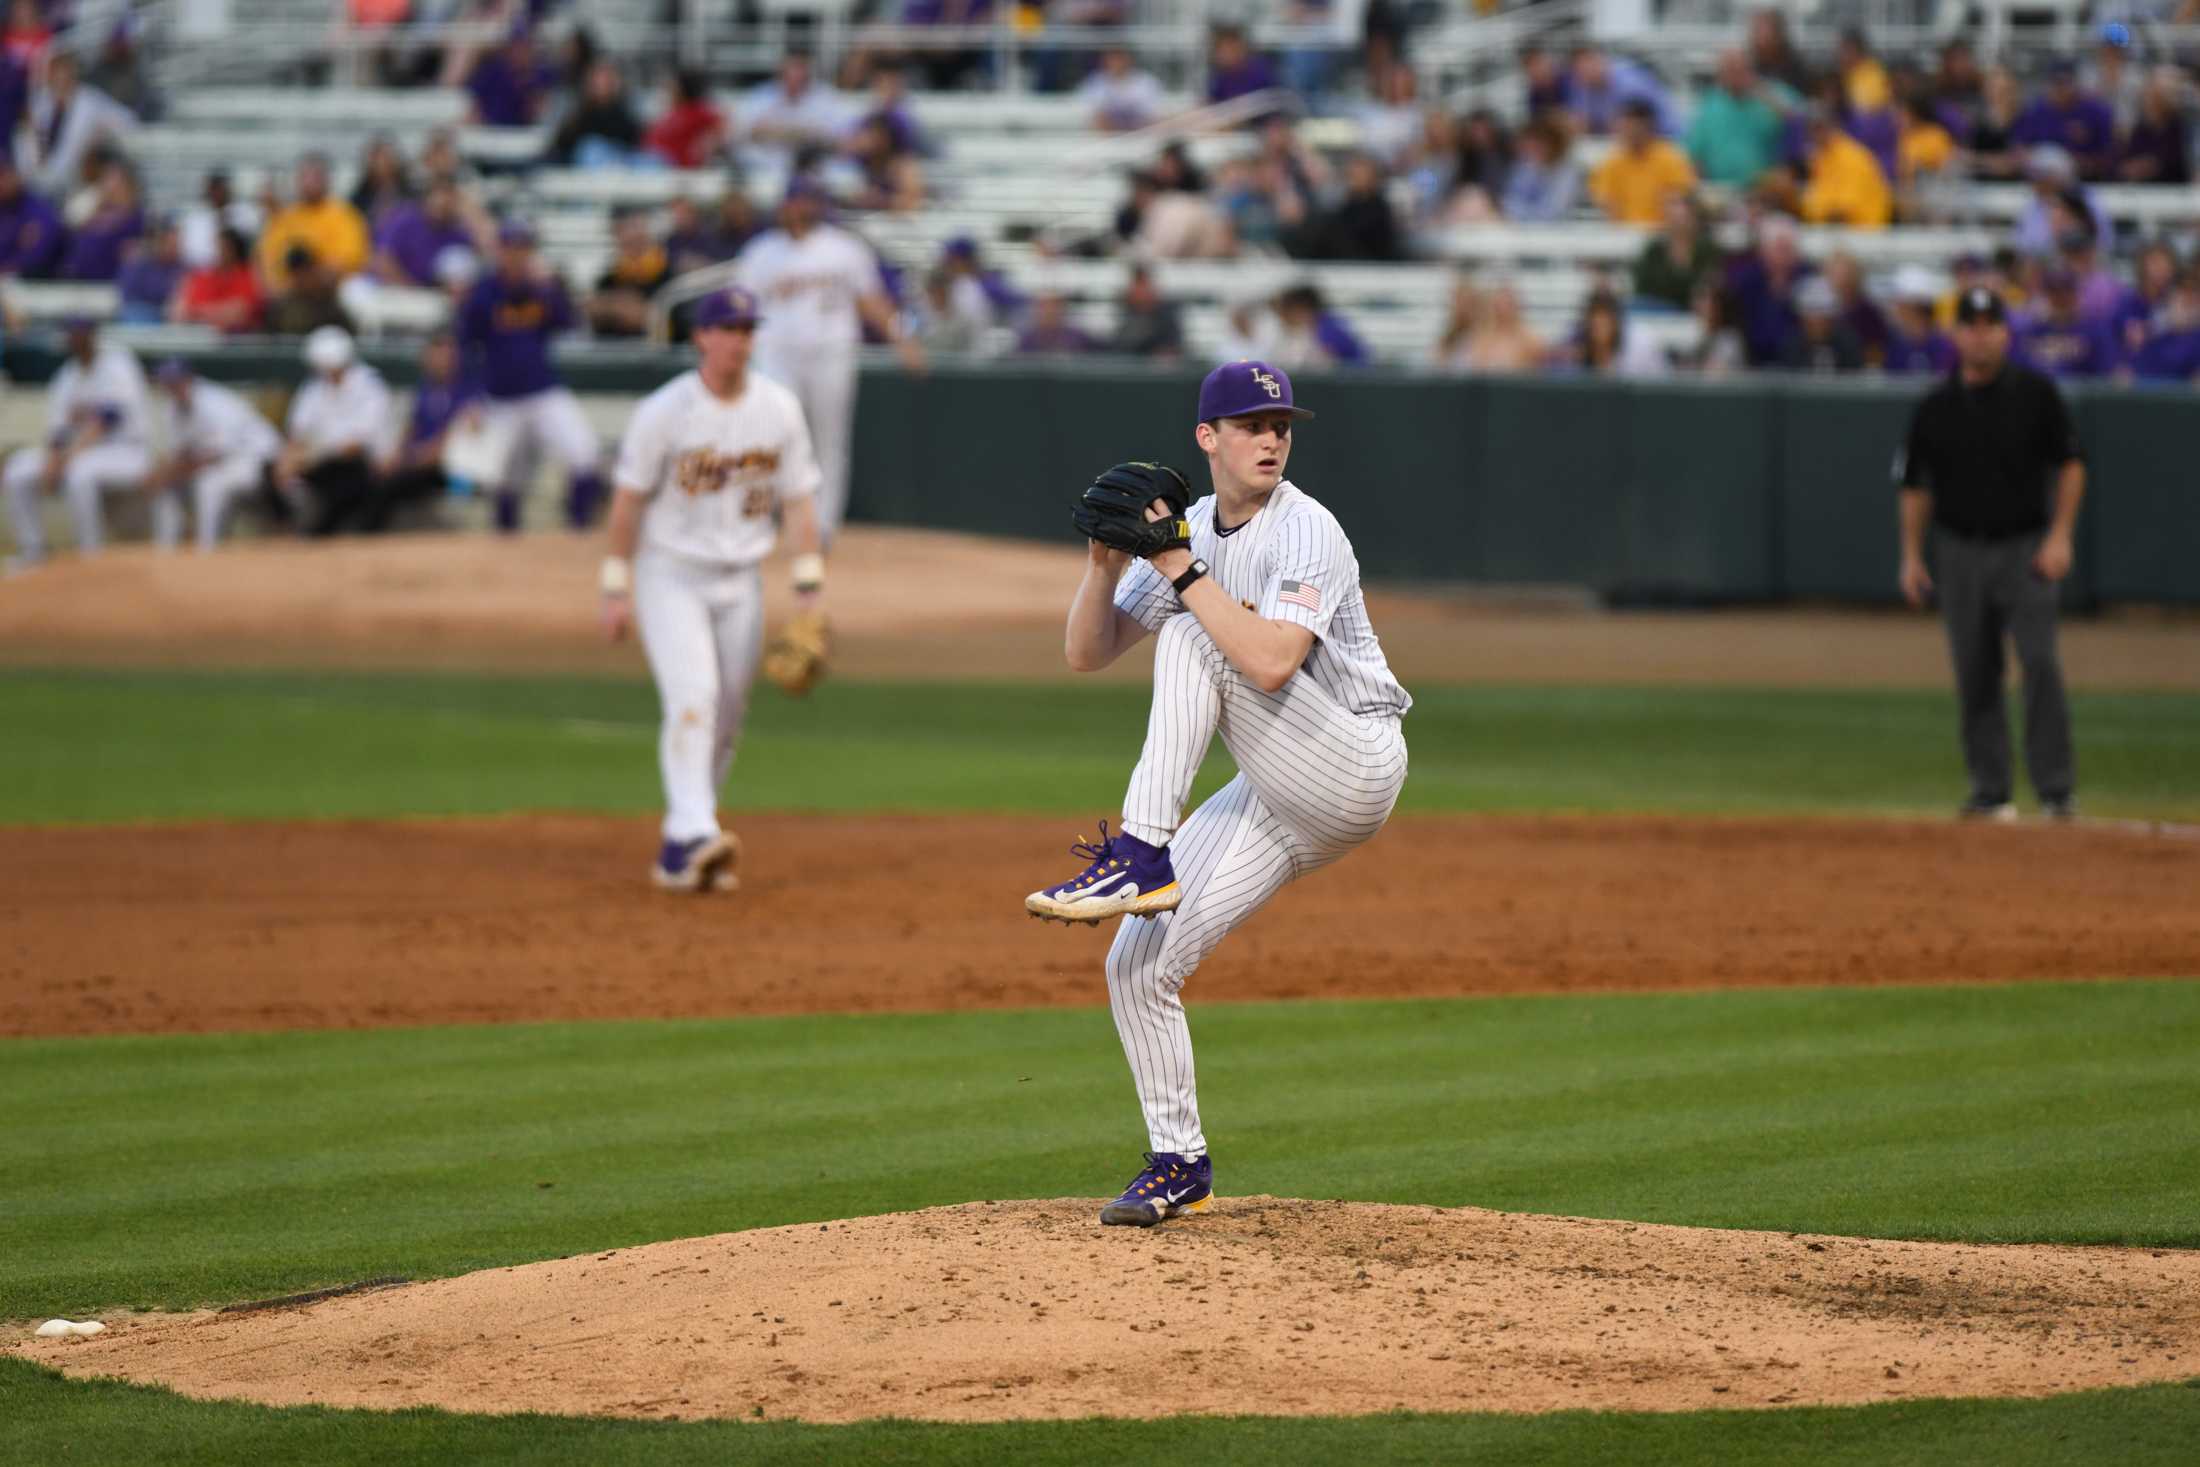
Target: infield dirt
993,1311
347,925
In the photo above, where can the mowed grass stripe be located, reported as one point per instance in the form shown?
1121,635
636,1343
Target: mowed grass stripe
44,1418
187,1170
125,746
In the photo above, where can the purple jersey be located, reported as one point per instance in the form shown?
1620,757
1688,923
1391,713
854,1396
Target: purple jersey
414,241
145,281
506,95
2086,129
506,328
2083,349
30,237
435,405
2168,356
1932,353
95,249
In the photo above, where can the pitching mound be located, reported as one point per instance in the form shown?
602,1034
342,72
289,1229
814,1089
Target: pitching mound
1004,1310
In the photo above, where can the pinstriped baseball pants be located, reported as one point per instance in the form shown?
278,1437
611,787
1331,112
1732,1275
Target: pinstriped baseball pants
1314,780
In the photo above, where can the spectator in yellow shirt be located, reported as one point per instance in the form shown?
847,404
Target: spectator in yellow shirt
1643,170
330,227
1845,184
1863,80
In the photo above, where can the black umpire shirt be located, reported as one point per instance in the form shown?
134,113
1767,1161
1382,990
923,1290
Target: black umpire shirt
1988,454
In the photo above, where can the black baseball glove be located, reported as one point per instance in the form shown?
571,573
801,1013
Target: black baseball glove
1112,509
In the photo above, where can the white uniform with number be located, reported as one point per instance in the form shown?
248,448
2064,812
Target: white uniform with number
112,389
234,445
808,289
714,472
1320,764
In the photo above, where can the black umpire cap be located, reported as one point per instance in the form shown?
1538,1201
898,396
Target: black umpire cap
1980,304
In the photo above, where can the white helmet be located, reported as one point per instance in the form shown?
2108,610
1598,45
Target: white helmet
329,349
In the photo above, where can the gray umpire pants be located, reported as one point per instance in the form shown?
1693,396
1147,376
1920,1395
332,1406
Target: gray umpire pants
1988,592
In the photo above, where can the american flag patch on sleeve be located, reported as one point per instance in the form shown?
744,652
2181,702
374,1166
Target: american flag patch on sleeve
1301,593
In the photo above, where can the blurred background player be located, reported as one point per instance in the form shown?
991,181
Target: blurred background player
505,324
818,285
219,450
1991,468
708,462
339,423
97,443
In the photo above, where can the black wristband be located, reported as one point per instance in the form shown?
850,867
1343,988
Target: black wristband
1192,573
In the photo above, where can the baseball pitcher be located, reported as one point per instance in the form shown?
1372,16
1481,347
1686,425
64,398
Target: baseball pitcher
1261,636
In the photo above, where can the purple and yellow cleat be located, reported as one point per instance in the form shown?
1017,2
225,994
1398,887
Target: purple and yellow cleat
1170,1184
703,864
1127,878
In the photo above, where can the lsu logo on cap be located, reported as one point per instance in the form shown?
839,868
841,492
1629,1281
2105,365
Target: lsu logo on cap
1268,383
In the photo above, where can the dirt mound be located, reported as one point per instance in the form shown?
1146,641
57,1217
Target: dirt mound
242,926
992,1311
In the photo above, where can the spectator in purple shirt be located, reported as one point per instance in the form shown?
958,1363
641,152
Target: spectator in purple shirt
415,471
1542,80
1050,331
1598,88
2171,350
2070,119
151,276
31,236
1234,68
96,245
2060,342
510,84
1764,284
1914,343
2100,293
2157,150
2147,303
410,246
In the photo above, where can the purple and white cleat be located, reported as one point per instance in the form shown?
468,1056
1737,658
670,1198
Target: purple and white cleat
1127,878
703,864
1170,1184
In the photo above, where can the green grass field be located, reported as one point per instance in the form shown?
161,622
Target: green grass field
164,746
171,1171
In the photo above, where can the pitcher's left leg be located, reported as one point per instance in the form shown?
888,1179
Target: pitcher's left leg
1231,856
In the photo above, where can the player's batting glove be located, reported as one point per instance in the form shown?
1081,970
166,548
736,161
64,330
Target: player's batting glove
1113,508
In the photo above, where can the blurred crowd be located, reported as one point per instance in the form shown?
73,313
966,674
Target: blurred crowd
1717,167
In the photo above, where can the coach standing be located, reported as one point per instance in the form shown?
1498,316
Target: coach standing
1992,468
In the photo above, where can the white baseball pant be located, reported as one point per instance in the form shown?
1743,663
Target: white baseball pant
1314,781
702,628
102,468
550,420
823,380
213,489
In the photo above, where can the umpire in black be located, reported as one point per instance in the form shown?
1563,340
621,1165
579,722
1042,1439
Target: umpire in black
1991,475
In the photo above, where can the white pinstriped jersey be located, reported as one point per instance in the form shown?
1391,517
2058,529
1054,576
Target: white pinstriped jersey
1290,562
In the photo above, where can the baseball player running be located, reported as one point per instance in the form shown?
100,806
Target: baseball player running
1261,635
97,414
815,280
506,321
705,462
219,451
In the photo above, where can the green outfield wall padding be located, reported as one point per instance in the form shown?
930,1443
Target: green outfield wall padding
1759,489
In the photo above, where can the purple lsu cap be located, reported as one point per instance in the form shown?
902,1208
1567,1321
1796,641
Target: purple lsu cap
1236,388
802,186
732,306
